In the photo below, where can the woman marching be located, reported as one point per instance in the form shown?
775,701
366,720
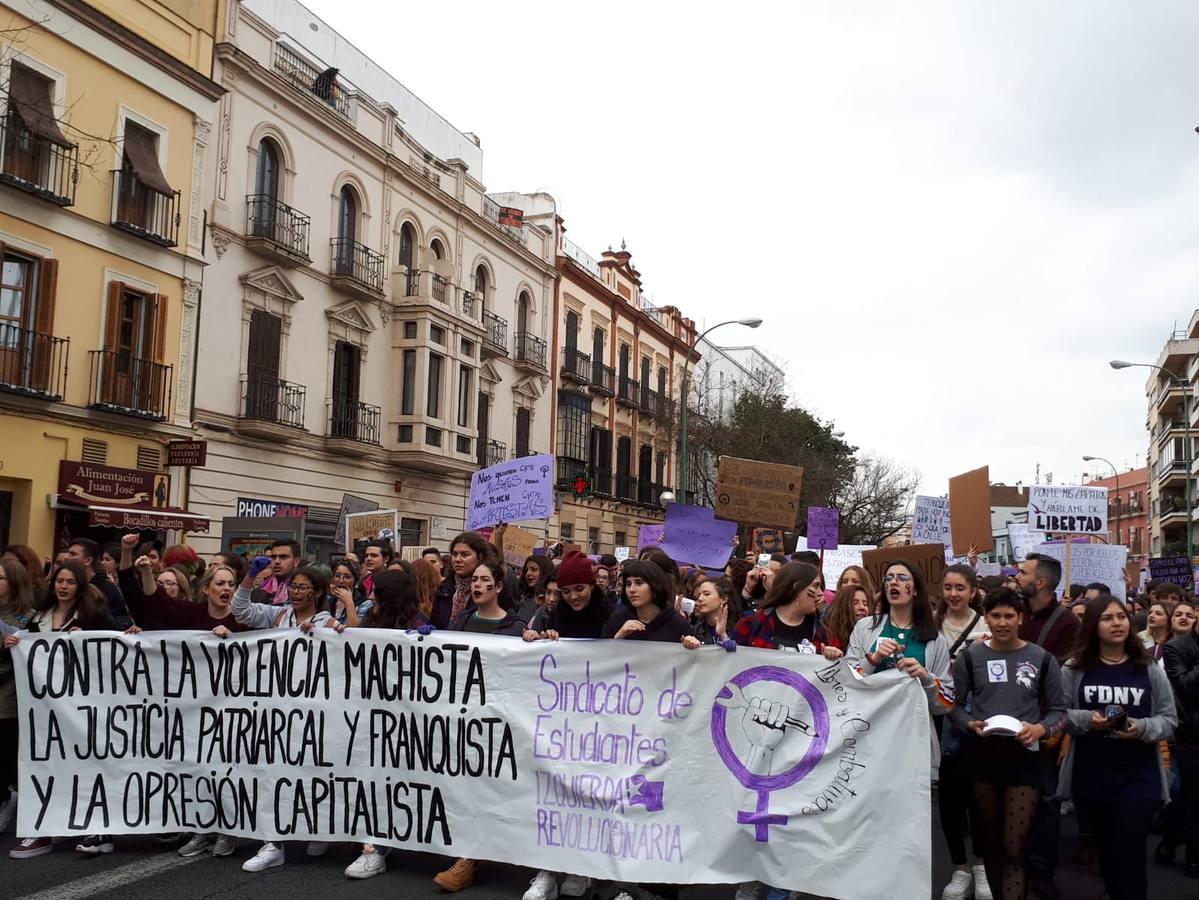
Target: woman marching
1121,705
532,584
851,604
1020,683
16,606
959,621
1157,631
787,619
716,613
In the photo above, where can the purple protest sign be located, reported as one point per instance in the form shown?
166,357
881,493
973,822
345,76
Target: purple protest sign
824,527
649,536
694,535
517,490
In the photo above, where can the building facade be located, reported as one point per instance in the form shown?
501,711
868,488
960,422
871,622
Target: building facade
1128,510
724,373
1168,427
107,114
374,323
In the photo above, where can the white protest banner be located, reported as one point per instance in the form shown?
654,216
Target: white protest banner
1023,539
1091,562
836,561
627,761
1067,509
930,521
518,490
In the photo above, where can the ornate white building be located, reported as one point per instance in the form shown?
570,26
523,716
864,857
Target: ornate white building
372,322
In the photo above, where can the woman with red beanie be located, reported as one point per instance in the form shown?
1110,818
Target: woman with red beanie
583,608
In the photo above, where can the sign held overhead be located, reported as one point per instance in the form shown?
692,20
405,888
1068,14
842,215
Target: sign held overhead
758,493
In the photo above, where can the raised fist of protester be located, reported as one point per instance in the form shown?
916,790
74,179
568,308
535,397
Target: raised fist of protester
143,562
259,564
764,722
131,540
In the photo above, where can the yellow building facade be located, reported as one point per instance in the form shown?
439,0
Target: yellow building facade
107,110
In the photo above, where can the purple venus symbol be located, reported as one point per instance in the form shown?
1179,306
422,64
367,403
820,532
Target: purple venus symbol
761,817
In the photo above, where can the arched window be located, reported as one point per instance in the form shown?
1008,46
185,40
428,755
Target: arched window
481,282
347,214
266,183
522,312
407,246
437,249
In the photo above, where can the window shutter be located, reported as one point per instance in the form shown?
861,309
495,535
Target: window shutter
161,306
112,315
522,432
43,322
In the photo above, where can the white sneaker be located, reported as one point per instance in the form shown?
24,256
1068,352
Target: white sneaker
748,890
317,848
8,812
576,886
544,886
198,844
367,865
224,845
960,886
982,890
268,857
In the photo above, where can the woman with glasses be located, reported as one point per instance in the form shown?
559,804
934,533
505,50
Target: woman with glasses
175,583
343,594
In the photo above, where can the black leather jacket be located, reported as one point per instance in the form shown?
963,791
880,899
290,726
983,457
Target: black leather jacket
1181,659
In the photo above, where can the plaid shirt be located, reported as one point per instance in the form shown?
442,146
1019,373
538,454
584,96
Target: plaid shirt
758,628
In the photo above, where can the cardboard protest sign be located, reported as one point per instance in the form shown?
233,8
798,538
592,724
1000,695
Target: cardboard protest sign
1067,509
836,561
518,545
649,536
824,527
1091,562
350,504
517,490
694,535
767,540
928,558
970,511
930,521
1023,539
1173,569
382,525
758,493
984,569
564,755
622,553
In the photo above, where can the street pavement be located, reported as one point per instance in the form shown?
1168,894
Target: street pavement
141,870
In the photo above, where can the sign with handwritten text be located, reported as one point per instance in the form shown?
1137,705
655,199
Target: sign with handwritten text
930,521
695,536
1089,563
824,527
517,490
567,756
1067,509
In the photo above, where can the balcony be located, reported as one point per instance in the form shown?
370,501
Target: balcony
492,453
1167,428
351,420
495,335
440,288
129,386
38,166
144,212
651,403
626,488
308,79
646,493
32,364
629,393
576,366
1170,472
530,351
276,230
1170,398
603,379
268,402
357,269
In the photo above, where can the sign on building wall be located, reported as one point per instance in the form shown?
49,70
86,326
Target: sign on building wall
88,483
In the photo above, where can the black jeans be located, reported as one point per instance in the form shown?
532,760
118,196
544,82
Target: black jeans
1047,823
955,804
8,755
1120,829
1187,757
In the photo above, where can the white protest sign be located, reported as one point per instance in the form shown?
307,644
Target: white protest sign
1023,539
983,569
930,521
1067,509
837,561
517,490
626,761
1090,562
622,553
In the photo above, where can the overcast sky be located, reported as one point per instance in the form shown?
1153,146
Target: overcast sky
951,216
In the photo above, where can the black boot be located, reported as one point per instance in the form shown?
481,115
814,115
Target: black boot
1164,854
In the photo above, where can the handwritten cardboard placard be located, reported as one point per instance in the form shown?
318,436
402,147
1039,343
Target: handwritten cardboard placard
518,545
824,527
1067,509
351,504
767,540
1023,539
1091,562
649,536
517,490
758,493
380,525
970,511
694,535
930,521
1174,569
928,558
622,553
837,561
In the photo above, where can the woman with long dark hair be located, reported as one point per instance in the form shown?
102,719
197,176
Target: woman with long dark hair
1009,698
717,612
851,604
1121,705
648,612
467,551
532,583
787,619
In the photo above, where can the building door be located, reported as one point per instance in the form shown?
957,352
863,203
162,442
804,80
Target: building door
346,368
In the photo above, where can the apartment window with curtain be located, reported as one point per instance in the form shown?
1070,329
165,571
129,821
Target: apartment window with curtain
465,385
433,400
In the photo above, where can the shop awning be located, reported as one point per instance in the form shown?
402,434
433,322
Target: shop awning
137,519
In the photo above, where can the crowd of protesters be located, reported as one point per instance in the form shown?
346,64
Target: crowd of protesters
1087,705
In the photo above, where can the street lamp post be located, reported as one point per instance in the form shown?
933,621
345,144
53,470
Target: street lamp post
748,323
1115,472
1187,454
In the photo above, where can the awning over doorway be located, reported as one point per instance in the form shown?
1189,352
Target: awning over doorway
137,519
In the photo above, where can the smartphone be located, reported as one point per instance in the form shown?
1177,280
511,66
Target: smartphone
763,560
